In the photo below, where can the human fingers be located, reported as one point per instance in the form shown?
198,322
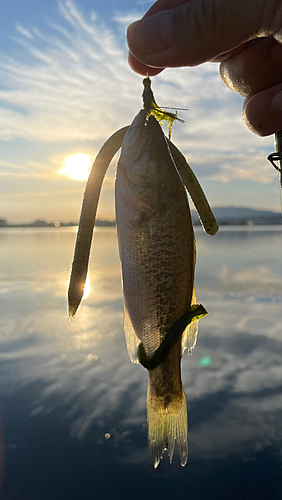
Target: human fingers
196,31
262,112
255,71
256,67
138,66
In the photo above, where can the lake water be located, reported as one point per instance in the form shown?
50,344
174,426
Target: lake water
72,405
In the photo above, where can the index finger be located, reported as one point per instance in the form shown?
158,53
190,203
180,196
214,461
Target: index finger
138,66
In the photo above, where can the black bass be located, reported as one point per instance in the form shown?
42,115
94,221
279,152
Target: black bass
157,252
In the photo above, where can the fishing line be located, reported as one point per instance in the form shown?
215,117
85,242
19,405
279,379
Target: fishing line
277,157
280,192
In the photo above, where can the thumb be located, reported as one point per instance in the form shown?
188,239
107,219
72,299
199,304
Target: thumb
196,31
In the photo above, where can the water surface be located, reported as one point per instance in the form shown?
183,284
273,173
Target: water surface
73,407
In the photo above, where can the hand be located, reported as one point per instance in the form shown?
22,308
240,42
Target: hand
237,33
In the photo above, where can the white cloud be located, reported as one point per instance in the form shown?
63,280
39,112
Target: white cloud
75,85
23,31
238,166
125,18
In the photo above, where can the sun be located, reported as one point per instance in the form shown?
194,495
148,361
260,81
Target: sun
76,167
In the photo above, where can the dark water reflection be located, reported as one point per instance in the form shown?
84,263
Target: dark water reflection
67,387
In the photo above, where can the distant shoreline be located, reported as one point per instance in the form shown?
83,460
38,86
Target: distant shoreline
245,223
225,216
56,224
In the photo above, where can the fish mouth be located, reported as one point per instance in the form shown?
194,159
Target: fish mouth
145,136
139,120
149,127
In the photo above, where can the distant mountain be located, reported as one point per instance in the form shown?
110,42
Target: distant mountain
242,213
242,216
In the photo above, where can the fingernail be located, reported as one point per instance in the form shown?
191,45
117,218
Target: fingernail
277,102
151,35
142,69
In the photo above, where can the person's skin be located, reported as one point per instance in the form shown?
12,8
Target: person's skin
238,33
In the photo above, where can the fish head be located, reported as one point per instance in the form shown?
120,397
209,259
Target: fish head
143,151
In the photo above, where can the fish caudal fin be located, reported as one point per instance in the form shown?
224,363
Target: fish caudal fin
165,426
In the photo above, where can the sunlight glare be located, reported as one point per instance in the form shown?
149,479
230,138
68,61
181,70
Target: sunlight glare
86,288
76,166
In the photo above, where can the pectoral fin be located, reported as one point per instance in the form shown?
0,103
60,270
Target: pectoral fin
131,339
190,334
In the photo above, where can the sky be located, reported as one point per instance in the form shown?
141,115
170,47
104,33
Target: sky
65,87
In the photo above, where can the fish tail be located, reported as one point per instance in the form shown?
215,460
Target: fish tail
167,423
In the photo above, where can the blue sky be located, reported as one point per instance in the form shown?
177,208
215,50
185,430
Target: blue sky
65,87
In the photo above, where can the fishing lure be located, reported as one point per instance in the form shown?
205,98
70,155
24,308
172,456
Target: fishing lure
150,105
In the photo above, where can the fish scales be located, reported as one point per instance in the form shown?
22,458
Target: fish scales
158,301
156,246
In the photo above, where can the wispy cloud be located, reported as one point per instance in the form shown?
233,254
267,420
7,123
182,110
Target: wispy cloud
23,31
125,18
68,87
74,84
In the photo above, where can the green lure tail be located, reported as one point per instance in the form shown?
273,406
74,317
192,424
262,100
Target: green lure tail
152,108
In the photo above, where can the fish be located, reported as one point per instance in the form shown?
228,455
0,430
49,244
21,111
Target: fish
157,252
